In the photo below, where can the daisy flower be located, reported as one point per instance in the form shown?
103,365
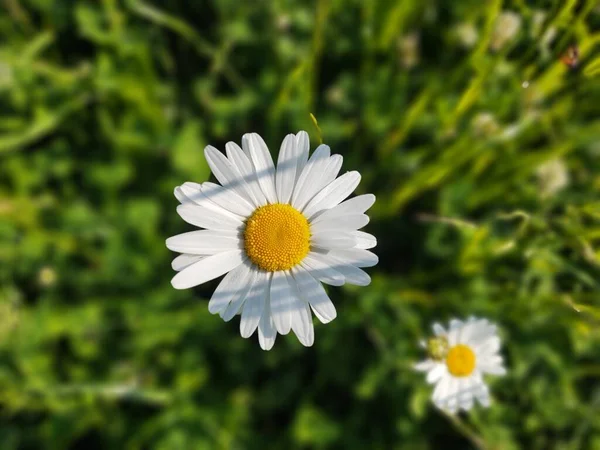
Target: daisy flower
276,232
458,359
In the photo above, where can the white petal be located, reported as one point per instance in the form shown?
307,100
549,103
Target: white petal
488,346
321,270
451,400
489,360
226,172
438,329
469,329
218,167
227,198
253,308
332,240
246,146
244,166
331,172
425,366
349,222
476,331
200,216
441,391
310,175
301,316
453,337
287,163
204,242
302,149
356,257
332,194
464,394
483,330
233,286
263,165
492,369
456,324
454,332
321,178
313,293
188,192
364,240
282,301
356,205
266,329
195,196
256,277
207,269
234,308
436,373
182,261
179,195
466,401
482,394
351,274
302,324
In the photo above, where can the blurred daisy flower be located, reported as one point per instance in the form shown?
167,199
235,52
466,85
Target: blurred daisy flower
458,359
553,177
276,232
409,50
507,26
466,34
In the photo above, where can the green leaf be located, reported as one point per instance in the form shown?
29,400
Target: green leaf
187,153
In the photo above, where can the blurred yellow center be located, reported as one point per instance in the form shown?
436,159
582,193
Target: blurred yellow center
277,237
460,361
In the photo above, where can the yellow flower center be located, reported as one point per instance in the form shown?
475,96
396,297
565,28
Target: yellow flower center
277,237
460,361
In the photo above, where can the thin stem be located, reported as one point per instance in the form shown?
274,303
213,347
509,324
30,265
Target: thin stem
466,431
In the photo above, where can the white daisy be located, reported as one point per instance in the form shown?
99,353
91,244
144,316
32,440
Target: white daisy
458,359
276,232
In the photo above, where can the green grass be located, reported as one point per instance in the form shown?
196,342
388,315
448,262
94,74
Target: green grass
484,155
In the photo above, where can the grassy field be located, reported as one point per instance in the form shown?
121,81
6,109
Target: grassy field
481,143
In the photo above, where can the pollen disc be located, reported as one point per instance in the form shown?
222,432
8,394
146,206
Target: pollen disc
277,237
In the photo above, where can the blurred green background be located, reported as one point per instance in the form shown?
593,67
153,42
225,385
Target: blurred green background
483,149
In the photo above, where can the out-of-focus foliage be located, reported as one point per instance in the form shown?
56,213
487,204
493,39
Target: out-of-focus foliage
482,147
